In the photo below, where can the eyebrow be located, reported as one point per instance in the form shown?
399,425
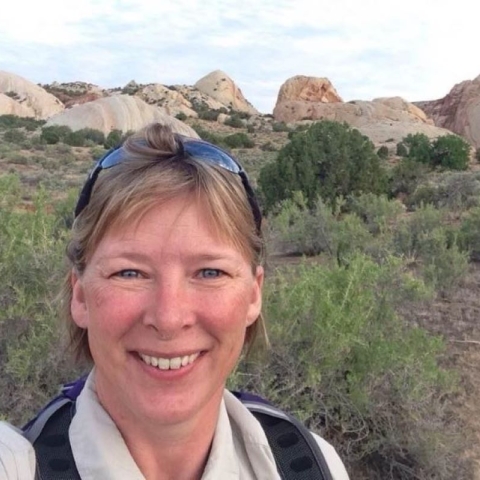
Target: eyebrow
141,256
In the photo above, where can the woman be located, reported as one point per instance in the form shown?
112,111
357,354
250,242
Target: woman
163,294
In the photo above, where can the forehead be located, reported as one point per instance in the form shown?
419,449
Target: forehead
183,221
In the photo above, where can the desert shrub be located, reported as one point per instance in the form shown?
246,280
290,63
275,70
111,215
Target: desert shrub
114,139
239,140
181,116
432,248
14,136
84,136
477,154
12,121
455,191
347,365
234,121
377,211
450,151
250,128
401,149
55,134
268,147
382,152
96,136
32,358
469,235
419,148
209,136
329,160
405,176
298,229
209,115
18,159
280,127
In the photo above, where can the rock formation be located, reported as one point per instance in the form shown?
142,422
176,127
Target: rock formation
308,98
168,98
222,88
9,106
121,112
75,93
27,94
308,89
459,110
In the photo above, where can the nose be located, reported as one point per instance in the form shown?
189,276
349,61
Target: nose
169,313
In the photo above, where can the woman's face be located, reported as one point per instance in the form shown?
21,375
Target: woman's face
166,304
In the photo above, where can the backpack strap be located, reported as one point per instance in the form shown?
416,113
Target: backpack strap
49,437
296,452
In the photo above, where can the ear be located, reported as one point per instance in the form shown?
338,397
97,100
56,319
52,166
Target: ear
255,306
78,306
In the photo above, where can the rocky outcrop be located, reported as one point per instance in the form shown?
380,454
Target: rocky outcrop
383,119
27,94
166,97
308,89
121,112
222,88
459,110
75,93
9,106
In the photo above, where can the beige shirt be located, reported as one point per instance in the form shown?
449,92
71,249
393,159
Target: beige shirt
240,449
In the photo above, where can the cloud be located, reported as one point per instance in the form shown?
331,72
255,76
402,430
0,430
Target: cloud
415,49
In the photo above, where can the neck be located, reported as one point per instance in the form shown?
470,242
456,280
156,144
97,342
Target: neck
169,451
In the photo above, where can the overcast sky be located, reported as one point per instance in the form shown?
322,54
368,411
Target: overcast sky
417,49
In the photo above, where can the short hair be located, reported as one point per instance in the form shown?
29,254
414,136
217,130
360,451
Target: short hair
153,172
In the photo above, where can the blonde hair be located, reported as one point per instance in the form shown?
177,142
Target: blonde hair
152,173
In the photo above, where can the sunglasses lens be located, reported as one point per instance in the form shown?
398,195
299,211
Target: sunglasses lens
211,154
112,158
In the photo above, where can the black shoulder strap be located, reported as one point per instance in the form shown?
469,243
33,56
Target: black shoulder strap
49,437
297,453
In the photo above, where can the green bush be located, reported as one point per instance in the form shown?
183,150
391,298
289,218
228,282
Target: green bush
383,152
181,116
405,176
55,134
469,235
234,121
450,151
432,248
298,229
280,127
14,136
455,191
347,365
419,148
114,139
239,140
32,358
401,149
330,160
377,211
12,121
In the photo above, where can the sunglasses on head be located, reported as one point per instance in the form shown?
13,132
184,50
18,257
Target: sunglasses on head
189,147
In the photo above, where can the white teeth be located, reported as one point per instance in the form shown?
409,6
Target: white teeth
169,363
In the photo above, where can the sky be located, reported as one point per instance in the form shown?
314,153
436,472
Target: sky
416,49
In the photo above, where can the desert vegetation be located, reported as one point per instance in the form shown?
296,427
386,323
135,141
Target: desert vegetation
359,246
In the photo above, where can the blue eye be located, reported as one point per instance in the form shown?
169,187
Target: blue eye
210,273
128,274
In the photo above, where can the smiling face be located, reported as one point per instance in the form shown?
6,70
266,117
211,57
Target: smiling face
166,304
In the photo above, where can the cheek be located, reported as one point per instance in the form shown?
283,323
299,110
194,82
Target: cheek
111,312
